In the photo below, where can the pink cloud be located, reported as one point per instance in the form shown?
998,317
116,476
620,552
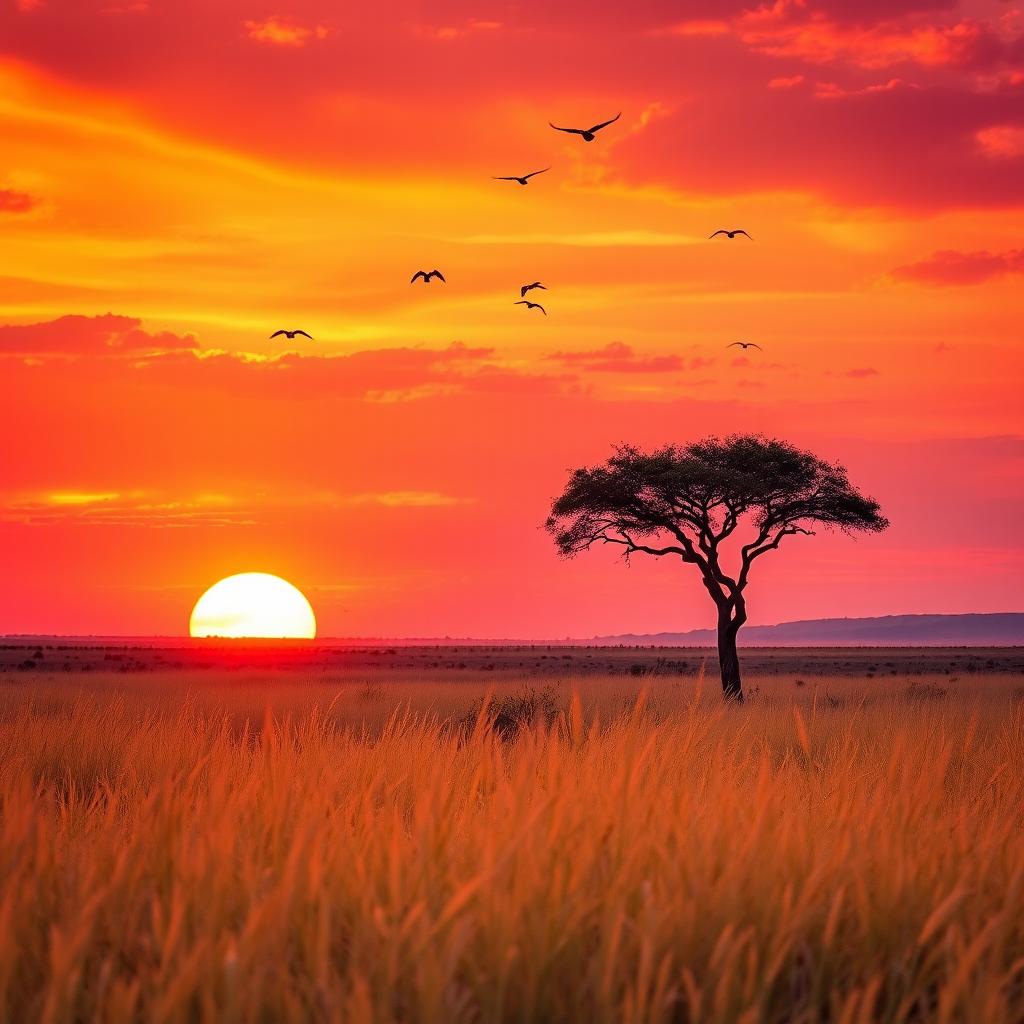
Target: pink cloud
786,83
376,375
829,90
790,30
15,202
853,34
618,357
871,151
1001,141
279,31
84,335
471,26
949,267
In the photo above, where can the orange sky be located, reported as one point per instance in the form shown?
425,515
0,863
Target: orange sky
177,181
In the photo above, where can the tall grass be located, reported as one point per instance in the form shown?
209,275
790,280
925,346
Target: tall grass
671,860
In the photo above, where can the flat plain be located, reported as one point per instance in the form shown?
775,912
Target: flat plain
485,833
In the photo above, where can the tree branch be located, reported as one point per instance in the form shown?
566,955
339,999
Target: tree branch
758,547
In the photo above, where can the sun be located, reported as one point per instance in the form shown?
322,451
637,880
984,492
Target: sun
253,604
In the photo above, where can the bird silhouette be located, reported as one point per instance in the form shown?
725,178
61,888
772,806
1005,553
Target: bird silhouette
745,345
531,305
529,287
524,180
427,275
731,234
587,133
290,335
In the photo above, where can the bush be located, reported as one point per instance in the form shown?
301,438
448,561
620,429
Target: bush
508,713
925,691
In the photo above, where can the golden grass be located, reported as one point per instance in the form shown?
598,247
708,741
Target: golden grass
261,852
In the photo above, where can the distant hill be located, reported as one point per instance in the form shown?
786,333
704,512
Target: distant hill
997,629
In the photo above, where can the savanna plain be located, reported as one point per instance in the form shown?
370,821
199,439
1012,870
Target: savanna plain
268,833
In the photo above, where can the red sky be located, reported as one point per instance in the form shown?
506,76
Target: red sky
179,180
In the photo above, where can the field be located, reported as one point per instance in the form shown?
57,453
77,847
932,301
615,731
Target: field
236,833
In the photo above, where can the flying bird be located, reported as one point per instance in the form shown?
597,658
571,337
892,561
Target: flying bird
587,133
290,335
427,275
529,287
531,305
524,180
731,234
745,345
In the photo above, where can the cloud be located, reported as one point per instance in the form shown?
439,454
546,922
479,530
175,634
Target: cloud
447,33
790,30
15,202
89,335
81,497
949,267
1001,141
852,35
151,508
618,357
790,82
169,360
135,509
376,375
860,372
832,91
278,31
405,499
590,239
701,27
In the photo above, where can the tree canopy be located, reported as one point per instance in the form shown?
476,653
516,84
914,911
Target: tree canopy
695,496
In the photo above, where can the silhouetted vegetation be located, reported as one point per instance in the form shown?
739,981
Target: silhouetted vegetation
685,501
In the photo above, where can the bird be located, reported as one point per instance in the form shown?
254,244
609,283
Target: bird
587,133
524,180
290,335
427,275
529,287
531,305
745,345
731,234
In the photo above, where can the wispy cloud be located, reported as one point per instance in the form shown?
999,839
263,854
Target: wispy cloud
81,498
134,508
12,201
279,31
150,508
950,267
460,30
792,28
618,357
405,499
587,240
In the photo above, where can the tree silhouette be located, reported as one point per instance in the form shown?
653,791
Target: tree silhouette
685,501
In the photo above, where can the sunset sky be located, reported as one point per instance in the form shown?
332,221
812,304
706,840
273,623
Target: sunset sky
178,180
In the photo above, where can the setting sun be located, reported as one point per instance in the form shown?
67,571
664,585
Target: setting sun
253,604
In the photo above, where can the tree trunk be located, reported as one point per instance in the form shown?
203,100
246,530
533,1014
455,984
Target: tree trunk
728,658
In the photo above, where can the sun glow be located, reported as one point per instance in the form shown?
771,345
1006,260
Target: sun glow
253,604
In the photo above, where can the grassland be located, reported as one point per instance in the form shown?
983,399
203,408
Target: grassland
353,843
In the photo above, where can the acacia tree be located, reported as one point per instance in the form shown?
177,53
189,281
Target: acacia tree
685,501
